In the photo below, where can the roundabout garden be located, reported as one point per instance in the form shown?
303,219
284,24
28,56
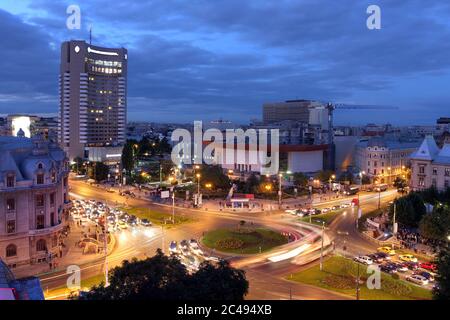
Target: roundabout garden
243,240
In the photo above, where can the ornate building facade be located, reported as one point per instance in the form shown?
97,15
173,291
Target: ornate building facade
33,199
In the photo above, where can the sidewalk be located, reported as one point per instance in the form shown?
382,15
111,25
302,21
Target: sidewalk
72,255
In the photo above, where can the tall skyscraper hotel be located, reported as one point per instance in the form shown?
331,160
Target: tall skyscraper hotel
93,101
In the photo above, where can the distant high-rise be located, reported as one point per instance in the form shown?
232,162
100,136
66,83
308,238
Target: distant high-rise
93,100
292,110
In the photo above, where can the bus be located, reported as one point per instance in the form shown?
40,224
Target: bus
381,187
351,190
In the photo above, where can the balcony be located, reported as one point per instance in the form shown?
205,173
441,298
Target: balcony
47,230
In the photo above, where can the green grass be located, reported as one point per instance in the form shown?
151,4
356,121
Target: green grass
340,273
325,217
252,239
86,284
156,217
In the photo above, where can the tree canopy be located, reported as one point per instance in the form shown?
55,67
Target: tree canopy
166,278
409,209
215,176
442,289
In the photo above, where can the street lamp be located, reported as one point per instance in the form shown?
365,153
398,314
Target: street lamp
198,183
279,190
332,177
321,247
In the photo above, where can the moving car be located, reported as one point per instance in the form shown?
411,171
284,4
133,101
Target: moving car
193,243
363,260
173,247
387,250
407,258
146,223
295,212
122,225
417,279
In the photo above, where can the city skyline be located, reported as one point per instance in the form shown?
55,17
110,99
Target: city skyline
188,63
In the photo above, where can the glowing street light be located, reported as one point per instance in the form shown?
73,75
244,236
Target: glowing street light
198,175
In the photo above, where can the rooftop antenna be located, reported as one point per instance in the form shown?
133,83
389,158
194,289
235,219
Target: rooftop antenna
90,34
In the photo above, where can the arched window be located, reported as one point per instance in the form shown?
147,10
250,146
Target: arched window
41,245
40,166
11,251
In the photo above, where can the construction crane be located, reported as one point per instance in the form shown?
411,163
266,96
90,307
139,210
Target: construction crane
334,106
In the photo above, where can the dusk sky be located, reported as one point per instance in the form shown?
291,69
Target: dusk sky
209,59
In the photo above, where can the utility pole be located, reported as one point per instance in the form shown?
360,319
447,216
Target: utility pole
357,283
394,226
162,238
279,190
379,198
173,205
321,247
105,243
160,174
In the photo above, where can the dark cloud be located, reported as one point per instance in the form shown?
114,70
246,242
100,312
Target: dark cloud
205,59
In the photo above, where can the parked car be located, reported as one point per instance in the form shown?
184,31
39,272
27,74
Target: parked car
387,250
417,279
363,260
411,265
376,258
428,266
401,267
407,258
426,275
388,268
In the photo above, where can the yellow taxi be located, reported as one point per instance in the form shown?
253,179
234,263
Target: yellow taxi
407,258
387,250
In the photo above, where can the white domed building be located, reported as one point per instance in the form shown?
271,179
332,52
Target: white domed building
33,199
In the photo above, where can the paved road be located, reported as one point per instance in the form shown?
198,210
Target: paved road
264,277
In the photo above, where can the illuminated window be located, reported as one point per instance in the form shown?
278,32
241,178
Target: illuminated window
10,204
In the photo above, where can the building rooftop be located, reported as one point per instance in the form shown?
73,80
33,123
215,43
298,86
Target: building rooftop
431,152
388,143
22,155
25,289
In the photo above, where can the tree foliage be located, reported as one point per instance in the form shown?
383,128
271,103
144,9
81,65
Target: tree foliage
436,225
324,175
442,290
215,176
252,184
165,278
400,183
409,209
300,179
128,156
